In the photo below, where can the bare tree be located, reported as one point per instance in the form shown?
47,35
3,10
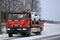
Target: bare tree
8,5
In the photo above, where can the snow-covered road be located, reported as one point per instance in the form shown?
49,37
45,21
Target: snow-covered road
49,29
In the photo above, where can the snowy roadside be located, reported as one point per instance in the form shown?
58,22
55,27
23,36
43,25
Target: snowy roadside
47,32
36,37
49,24
3,35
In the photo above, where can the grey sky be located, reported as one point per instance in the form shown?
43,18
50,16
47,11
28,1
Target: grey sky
50,9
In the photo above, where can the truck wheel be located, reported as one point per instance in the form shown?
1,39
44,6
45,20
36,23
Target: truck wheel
28,34
38,33
10,34
23,34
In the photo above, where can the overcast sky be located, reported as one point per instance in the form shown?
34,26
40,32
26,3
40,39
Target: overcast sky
50,9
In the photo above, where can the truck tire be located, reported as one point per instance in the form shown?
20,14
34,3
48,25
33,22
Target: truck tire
23,34
38,33
27,33
10,34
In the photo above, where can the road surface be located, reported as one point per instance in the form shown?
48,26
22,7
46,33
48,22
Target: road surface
51,32
52,37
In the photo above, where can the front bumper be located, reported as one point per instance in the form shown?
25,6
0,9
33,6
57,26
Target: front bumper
17,30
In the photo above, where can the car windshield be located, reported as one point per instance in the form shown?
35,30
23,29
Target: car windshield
16,16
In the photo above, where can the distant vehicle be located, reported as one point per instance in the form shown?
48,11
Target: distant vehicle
20,21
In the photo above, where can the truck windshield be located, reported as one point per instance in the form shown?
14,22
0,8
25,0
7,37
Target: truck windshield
16,16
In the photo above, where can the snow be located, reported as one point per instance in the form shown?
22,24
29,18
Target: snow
49,30
2,36
35,37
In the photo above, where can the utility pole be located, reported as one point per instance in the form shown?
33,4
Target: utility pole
0,16
0,23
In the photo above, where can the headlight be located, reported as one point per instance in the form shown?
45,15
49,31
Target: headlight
8,29
24,28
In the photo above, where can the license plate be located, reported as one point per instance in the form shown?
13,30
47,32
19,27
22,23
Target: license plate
18,29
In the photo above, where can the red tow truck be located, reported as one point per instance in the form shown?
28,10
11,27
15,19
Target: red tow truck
20,21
